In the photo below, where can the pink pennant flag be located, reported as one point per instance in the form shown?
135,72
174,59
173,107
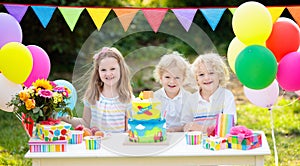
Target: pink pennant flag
213,16
155,17
185,17
16,10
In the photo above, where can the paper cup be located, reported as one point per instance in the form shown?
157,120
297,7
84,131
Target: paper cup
76,137
92,142
193,138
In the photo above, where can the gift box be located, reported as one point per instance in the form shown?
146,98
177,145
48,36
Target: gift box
244,143
223,124
214,143
38,145
54,132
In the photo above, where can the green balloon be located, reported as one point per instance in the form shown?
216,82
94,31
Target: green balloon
256,67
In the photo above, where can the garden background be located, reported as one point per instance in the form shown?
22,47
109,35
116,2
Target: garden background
63,46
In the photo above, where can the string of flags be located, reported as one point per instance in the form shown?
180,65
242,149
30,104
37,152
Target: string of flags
154,16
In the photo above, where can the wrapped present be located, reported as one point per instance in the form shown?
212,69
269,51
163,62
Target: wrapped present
92,142
214,143
53,132
224,123
38,145
242,138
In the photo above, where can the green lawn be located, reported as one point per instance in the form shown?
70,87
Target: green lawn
286,116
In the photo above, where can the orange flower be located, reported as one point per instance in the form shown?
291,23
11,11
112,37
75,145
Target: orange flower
30,104
24,95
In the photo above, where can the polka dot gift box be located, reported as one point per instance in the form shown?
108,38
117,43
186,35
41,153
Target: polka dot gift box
54,132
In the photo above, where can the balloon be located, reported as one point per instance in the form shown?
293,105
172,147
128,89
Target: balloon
73,96
288,75
298,92
7,90
285,38
234,48
264,97
41,65
15,62
10,29
252,23
256,67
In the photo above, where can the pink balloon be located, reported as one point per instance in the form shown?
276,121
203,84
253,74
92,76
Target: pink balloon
10,29
263,97
288,74
41,65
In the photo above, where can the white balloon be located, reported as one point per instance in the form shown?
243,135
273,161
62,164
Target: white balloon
7,90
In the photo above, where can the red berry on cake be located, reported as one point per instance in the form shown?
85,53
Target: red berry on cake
79,127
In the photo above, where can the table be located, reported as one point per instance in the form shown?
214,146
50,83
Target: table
175,152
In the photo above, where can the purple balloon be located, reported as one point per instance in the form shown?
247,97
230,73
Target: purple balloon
288,75
266,97
41,65
10,29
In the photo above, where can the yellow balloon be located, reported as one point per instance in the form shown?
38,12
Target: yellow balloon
15,62
234,48
252,23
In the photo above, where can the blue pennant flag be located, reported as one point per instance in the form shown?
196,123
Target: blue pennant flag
44,13
213,16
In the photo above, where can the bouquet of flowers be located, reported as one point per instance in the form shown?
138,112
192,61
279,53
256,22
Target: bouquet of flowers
41,101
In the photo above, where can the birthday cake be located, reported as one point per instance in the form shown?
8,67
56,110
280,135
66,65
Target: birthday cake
146,124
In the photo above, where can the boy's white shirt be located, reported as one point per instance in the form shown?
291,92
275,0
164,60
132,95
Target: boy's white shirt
172,108
196,105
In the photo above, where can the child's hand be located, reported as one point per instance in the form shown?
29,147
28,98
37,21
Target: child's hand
192,127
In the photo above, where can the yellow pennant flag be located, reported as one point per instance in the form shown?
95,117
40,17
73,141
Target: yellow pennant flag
98,15
275,12
125,16
232,10
71,15
295,12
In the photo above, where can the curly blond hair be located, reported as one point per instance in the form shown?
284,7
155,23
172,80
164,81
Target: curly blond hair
216,62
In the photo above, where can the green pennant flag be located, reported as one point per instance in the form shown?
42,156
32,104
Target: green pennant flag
71,15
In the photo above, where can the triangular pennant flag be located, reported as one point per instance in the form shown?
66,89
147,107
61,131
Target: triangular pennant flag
17,11
125,16
295,12
71,15
44,13
155,17
98,15
213,16
232,10
275,12
185,17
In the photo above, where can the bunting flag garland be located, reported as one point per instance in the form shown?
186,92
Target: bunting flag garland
213,16
125,16
295,12
71,15
98,15
44,13
232,10
185,17
275,12
155,17
17,11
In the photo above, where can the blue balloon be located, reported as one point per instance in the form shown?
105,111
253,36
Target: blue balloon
73,96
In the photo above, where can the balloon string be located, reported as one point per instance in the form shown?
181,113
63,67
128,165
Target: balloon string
273,137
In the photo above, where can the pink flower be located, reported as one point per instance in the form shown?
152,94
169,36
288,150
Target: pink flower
45,93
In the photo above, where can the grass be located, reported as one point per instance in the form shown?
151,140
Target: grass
286,116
